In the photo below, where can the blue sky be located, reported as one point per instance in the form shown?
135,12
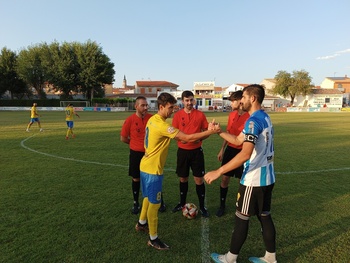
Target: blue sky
183,41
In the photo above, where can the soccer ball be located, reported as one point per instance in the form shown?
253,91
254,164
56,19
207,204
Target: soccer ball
189,211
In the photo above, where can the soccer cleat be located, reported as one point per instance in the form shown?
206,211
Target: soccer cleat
135,209
259,260
67,138
177,208
219,258
27,130
142,228
204,212
158,244
220,212
162,208
41,130
73,136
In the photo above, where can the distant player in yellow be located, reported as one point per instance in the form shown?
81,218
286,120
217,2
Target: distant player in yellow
34,117
69,119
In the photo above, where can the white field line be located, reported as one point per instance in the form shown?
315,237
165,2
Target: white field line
166,169
64,158
205,252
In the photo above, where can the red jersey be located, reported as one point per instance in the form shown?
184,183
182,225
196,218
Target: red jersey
235,125
134,128
189,123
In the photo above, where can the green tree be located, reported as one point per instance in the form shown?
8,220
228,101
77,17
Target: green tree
61,68
292,85
96,69
29,68
75,67
9,79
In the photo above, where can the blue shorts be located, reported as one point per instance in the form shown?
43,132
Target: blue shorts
34,120
70,124
151,185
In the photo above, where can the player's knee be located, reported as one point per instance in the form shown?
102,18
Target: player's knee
242,216
198,180
265,213
183,179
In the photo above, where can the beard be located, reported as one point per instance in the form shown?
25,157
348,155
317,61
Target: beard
247,106
189,107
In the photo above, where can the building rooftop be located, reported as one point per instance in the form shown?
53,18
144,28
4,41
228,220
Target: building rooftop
159,83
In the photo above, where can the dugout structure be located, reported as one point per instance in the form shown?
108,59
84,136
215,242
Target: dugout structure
76,103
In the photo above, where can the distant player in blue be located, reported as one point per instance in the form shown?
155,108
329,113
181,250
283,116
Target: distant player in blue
258,178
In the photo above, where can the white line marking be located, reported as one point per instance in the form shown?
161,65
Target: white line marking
166,169
205,240
65,158
315,171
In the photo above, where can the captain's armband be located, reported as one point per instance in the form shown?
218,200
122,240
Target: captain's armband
250,138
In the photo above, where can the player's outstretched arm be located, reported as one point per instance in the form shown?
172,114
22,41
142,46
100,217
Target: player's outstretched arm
198,136
236,140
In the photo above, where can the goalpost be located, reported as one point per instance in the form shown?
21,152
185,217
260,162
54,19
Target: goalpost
76,103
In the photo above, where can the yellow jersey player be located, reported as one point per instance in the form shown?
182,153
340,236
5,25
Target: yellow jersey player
34,117
69,119
157,141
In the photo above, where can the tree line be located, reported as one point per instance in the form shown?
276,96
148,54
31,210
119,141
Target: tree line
65,67
84,68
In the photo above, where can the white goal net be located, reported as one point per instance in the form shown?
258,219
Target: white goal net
76,103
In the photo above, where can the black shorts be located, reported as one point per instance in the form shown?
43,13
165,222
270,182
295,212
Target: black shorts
187,159
134,163
254,200
229,153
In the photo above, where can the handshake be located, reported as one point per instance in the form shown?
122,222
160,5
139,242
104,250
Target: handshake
214,126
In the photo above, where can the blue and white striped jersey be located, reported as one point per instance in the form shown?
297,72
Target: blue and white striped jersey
259,170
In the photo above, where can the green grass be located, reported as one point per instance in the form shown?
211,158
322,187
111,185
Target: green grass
69,201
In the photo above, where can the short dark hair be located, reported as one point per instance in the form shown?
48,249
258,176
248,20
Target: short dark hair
186,94
140,98
237,95
165,98
256,90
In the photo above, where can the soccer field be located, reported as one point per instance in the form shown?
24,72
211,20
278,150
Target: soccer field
69,200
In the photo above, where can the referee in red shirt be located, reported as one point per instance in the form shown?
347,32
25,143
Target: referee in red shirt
190,155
